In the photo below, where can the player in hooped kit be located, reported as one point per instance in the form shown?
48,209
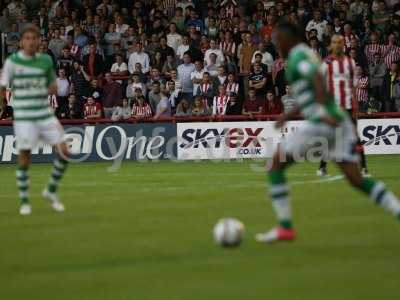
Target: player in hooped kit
325,120
31,78
338,69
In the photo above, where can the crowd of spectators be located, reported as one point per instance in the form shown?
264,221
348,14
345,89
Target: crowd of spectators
142,58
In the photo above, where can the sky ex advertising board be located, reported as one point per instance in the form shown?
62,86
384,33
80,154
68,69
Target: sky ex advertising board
225,140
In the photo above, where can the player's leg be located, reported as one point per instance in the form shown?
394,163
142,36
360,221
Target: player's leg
52,133
23,181
375,189
279,193
360,149
26,134
322,170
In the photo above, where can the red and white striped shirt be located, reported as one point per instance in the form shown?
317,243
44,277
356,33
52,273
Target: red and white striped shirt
391,54
340,79
169,7
91,109
229,47
219,104
142,111
204,87
371,49
232,88
361,84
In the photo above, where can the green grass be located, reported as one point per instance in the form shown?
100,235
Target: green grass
144,232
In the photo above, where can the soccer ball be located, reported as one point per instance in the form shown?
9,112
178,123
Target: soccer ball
228,232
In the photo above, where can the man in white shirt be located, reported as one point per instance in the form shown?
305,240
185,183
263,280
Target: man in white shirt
267,58
318,24
174,39
120,27
183,47
216,51
197,75
184,74
63,88
139,57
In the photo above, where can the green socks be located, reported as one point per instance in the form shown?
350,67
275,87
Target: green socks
279,192
59,167
23,184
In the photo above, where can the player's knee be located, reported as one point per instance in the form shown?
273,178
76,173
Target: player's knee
355,182
24,159
63,151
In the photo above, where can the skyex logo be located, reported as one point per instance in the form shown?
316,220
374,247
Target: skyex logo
246,140
378,135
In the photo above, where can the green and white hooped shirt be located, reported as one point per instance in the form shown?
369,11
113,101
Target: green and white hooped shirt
29,79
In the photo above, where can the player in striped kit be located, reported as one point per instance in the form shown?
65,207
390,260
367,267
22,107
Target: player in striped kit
324,121
339,72
31,78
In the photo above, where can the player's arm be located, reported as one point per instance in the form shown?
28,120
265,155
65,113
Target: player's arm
283,118
329,112
5,80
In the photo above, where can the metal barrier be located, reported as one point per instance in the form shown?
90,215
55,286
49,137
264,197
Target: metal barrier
202,119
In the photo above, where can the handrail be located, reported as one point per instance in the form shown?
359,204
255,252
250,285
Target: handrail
177,119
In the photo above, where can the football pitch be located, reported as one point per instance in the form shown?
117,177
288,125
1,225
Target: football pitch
144,232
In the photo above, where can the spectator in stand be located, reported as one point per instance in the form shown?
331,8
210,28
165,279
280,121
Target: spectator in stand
258,81
184,75
246,54
179,19
388,86
123,112
79,81
72,109
211,68
95,91
183,109
273,105
111,38
112,95
141,109
252,105
197,76
361,85
174,39
56,44
63,88
155,95
80,39
134,84
233,106
377,72
174,95
232,86
92,109
219,101
288,101
139,57
65,62
163,108
164,49
258,60
119,68
169,65
222,77
12,39
183,48
206,89
200,107
156,76
214,49
94,63
195,21
120,26
318,24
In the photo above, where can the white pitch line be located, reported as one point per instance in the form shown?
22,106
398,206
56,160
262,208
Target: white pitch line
322,180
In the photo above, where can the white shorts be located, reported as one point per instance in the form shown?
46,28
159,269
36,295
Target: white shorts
28,134
315,141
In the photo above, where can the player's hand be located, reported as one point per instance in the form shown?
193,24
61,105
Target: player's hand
330,121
